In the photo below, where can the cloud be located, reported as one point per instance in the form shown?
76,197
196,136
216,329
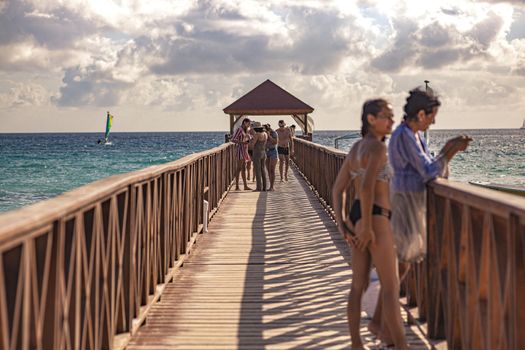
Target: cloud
60,28
89,86
23,94
434,45
188,56
402,50
313,41
435,35
513,2
452,11
439,58
485,32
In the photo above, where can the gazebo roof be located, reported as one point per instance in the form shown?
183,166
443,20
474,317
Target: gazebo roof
268,99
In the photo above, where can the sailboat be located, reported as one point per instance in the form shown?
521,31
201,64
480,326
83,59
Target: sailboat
523,126
109,123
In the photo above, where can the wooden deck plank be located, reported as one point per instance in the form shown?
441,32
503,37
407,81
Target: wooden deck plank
271,273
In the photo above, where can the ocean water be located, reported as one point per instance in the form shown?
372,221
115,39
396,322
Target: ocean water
34,167
494,155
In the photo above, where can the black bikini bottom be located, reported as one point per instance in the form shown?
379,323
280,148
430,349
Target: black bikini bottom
355,212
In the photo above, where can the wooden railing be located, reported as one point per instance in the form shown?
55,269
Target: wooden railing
81,271
475,267
470,290
319,165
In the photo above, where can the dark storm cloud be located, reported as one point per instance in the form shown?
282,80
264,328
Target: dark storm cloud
435,35
402,51
435,46
59,29
451,11
486,31
439,58
317,45
89,86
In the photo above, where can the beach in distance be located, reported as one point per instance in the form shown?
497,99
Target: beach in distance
35,167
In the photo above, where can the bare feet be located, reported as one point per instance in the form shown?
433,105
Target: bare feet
359,347
271,189
237,188
374,328
246,188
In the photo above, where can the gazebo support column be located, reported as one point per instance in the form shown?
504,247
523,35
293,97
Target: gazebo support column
306,124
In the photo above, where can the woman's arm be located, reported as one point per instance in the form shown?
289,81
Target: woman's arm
341,184
455,145
273,141
254,139
412,153
237,136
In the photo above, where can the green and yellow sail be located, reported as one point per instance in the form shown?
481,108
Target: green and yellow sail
109,123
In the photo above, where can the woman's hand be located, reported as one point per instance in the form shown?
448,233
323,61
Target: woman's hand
347,233
364,238
462,142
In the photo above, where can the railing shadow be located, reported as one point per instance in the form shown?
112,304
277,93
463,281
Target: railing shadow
300,278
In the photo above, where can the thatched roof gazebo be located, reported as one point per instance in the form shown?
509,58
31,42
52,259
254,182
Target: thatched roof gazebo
270,99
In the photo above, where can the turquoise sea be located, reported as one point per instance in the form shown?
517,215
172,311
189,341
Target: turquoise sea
34,167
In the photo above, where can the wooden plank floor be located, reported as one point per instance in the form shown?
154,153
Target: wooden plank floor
271,273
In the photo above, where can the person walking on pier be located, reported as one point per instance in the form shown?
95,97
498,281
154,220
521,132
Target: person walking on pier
284,148
414,167
259,156
366,173
271,154
242,138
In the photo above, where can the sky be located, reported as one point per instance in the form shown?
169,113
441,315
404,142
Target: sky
166,65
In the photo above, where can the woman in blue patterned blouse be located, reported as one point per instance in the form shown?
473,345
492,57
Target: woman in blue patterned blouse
414,167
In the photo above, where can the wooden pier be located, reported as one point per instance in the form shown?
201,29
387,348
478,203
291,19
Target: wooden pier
125,261
272,273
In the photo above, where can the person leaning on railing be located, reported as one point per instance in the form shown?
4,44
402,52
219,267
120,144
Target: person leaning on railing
413,168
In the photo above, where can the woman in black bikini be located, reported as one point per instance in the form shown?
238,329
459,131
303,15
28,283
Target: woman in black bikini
366,173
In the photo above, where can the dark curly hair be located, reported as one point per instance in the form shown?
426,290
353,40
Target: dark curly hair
420,99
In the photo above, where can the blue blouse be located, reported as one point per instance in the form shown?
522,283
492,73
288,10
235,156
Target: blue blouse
412,163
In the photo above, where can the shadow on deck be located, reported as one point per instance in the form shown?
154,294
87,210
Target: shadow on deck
271,273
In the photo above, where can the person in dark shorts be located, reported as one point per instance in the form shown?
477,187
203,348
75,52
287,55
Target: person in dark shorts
284,148
285,151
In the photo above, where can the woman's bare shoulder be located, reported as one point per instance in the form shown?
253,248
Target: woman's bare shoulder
376,146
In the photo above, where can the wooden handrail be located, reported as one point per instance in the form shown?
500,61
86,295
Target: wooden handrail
475,270
82,269
320,165
470,288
